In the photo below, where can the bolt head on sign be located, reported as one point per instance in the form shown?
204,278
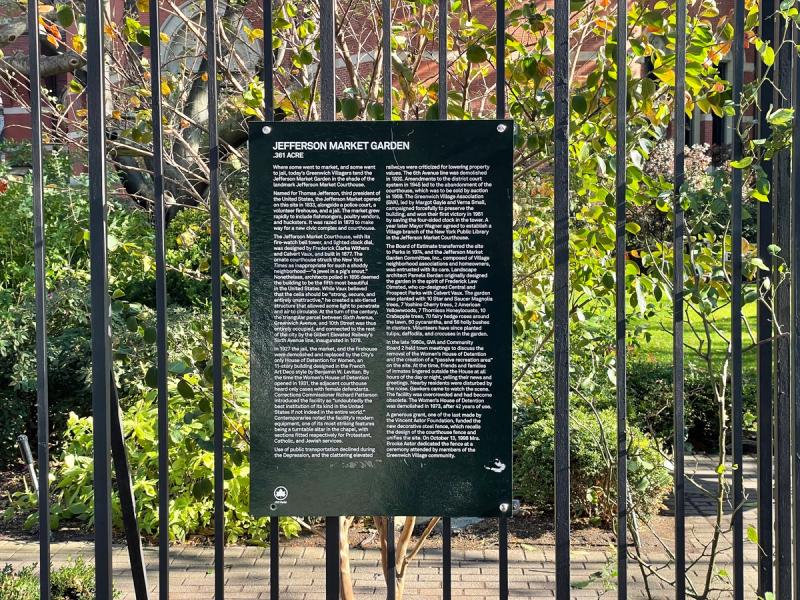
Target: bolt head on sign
368,394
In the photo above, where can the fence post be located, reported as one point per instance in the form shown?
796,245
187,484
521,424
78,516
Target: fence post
764,332
40,283
620,186
781,384
678,240
561,298
101,335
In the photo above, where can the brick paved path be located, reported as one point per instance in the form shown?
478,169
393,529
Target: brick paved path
475,572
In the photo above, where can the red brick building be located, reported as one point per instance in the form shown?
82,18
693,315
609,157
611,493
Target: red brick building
702,128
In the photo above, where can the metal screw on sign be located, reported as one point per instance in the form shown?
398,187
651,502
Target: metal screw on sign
266,129
501,127
505,505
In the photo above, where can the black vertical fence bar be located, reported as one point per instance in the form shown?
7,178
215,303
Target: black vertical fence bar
161,302
101,340
127,501
737,421
274,558
764,331
500,60
443,30
561,298
391,558
503,555
332,535
783,430
386,45
327,17
42,402
269,63
621,186
447,569
795,305
216,301
269,115
678,237
500,94
447,562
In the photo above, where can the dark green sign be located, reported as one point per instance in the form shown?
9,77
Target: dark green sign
381,318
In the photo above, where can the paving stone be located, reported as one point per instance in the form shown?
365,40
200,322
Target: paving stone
475,572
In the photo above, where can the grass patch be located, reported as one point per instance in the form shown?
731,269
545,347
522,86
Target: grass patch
658,348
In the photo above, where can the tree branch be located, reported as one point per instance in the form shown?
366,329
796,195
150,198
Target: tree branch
49,65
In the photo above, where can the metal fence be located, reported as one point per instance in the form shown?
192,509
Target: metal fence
779,360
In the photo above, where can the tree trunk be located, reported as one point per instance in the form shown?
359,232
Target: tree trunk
345,574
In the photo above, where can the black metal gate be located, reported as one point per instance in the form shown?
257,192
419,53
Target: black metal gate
779,388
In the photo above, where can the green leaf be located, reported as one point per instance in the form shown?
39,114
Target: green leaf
767,55
375,111
350,108
185,389
743,163
65,15
752,534
782,116
132,323
75,86
476,54
150,335
143,37
202,488
178,367
304,57
579,104
78,508
151,377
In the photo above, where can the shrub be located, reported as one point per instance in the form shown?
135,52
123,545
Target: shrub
651,401
68,316
593,466
68,368
191,455
73,581
19,585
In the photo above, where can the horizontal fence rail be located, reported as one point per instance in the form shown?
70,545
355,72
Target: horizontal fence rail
777,343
